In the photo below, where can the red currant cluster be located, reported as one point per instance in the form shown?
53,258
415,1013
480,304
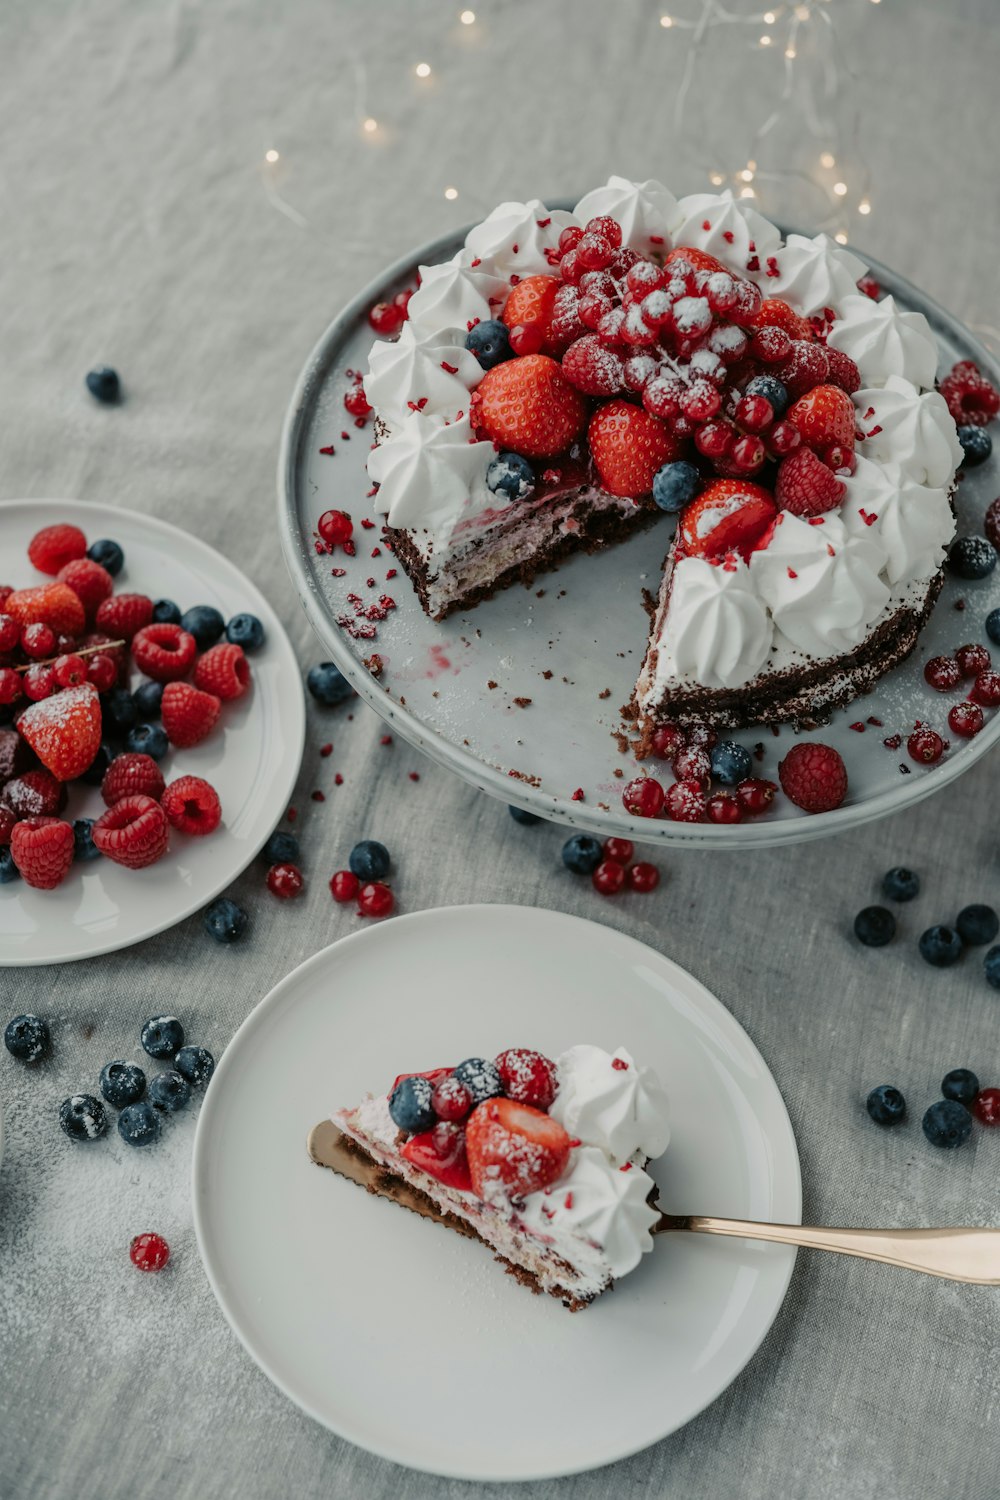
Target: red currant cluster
690,799
971,663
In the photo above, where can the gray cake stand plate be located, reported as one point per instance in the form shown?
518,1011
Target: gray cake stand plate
569,647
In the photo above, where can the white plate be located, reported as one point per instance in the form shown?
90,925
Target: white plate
252,760
410,1340
584,625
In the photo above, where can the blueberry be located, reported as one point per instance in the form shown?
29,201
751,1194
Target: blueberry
103,383
118,711
900,884
675,485
166,612
328,684
246,631
139,1124
108,554
731,762
947,1124
520,816
204,623
148,698
972,557
410,1105
369,860
977,445
510,476
169,1091
481,1078
993,626
977,925
84,847
582,854
991,964
886,1105
94,774
489,342
27,1038
148,739
772,389
196,1064
940,946
122,1083
8,869
960,1084
224,920
162,1036
875,926
281,849
83,1117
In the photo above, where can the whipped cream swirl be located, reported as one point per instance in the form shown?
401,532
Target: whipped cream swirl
917,431
430,474
727,228
883,340
911,522
434,371
513,239
456,294
603,1204
718,632
810,273
820,583
645,211
607,1100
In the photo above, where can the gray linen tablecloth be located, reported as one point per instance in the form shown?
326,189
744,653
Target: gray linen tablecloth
141,227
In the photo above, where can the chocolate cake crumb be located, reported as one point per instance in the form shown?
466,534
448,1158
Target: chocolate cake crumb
523,702
547,674
605,694
375,664
523,776
491,684
618,772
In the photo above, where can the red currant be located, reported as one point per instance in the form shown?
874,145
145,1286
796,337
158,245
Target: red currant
609,877
571,268
285,881
385,318
748,454
715,439
693,764
608,228
783,438
720,289
344,885
644,278
986,689
701,401
661,396
527,338
643,877
451,1100
755,413
703,736
643,797
756,795
375,900
570,237
667,740
965,720
102,672
724,808
972,660
986,1106
620,850
771,345
335,527
839,458
686,802
39,682
38,640
402,301
10,685
70,670
594,252
356,402
925,746
10,632
149,1252
943,673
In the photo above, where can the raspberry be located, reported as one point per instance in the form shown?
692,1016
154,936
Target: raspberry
133,833
191,805
643,798
942,673
224,671
965,720
806,486
565,325
188,714
725,808
805,367
592,367
54,604
628,446
925,747
89,581
65,730
755,795
164,652
609,877
132,775
527,1077
344,885
528,405
686,802
643,877
54,546
42,850
149,1252
970,397
986,689
972,660
814,777
375,900
123,615
843,371
38,640
35,794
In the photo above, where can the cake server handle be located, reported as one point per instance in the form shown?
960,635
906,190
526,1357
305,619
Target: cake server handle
955,1254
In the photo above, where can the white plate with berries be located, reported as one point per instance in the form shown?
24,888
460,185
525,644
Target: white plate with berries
521,695
407,1338
143,763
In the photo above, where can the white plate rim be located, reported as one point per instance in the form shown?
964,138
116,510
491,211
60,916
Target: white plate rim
277,637
279,995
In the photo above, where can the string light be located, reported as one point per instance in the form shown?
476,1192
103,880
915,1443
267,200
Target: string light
864,207
766,41
423,70
468,18
840,237
769,18
840,188
828,159
791,53
747,192
747,174
716,179
666,22
370,126
272,156
451,194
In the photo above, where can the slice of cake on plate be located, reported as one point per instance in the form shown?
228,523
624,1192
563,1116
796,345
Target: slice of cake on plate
567,378
543,1162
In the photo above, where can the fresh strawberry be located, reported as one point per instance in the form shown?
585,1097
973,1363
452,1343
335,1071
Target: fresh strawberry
89,581
54,546
813,776
35,794
441,1153
530,306
776,313
806,486
65,730
188,715
843,371
132,775
699,260
729,515
42,850
133,833
224,671
528,405
123,615
53,604
628,446
164,652
192,806
825,418
528,1077
514,1147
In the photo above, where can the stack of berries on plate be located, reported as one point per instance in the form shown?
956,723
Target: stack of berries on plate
66,648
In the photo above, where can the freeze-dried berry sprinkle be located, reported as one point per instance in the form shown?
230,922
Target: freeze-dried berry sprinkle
325,750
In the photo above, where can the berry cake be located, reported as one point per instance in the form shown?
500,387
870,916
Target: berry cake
543,1162
568,377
